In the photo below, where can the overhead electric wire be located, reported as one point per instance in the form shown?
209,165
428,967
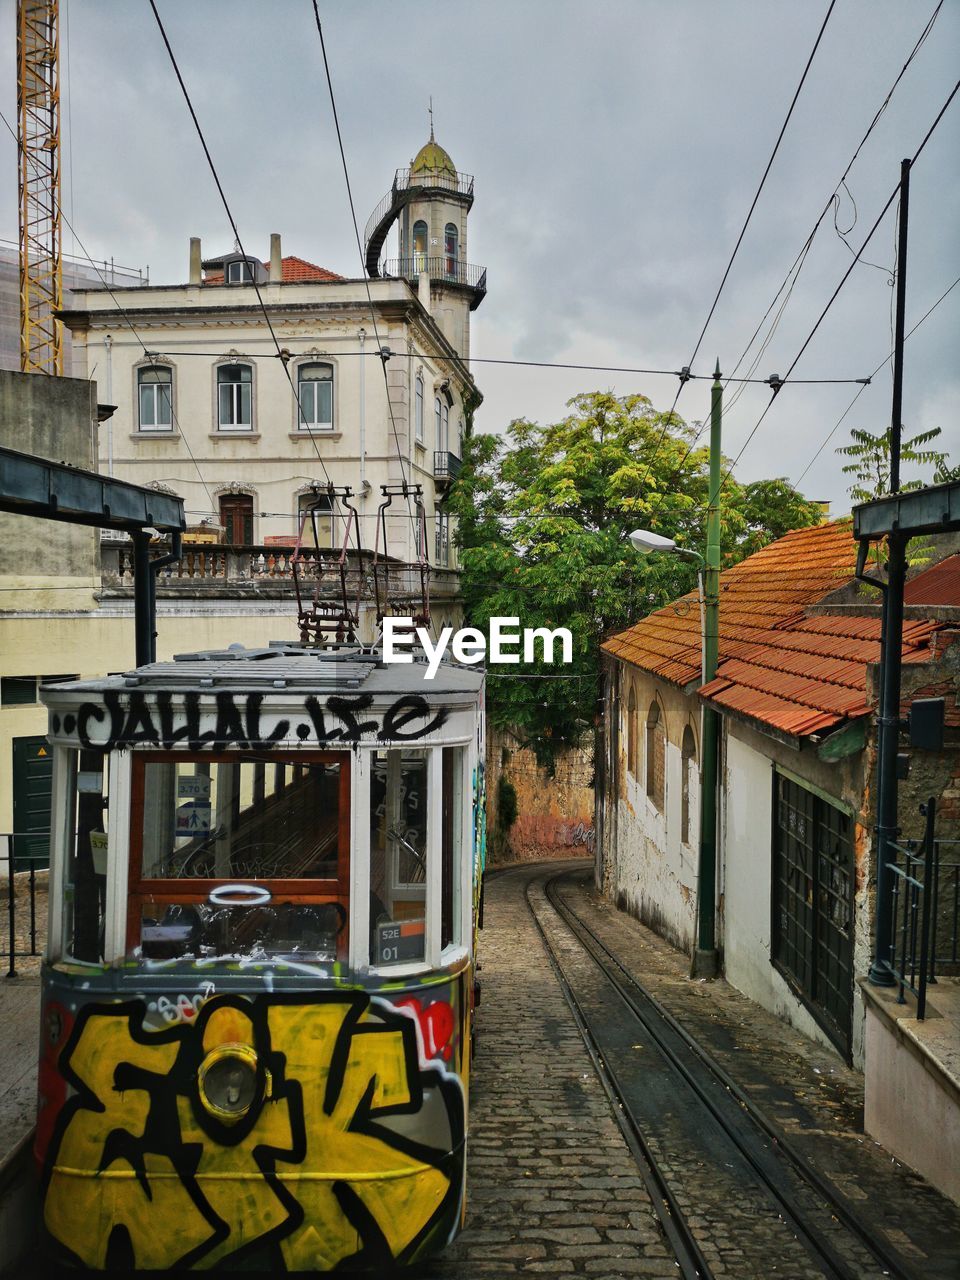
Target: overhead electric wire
797,265
148,355
886,360
356,232
236,233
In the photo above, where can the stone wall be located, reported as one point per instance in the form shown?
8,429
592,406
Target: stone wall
554,813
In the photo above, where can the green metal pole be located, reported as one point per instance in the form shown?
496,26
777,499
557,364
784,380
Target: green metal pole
705,959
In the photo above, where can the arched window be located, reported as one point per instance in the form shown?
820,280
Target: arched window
419,245
155,394
315,393
438,418
450,241
688,771
656,755
235,397
632,732
236,516
418,419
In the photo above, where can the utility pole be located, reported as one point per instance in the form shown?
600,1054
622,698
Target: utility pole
888,719
705,960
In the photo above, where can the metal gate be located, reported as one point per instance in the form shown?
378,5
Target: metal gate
32,776
813,884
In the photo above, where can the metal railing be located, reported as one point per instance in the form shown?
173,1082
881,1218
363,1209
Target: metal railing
446,466
442,268
461,183
22,931
926,911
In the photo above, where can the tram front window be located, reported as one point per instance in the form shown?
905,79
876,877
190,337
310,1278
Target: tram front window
239,855
398,856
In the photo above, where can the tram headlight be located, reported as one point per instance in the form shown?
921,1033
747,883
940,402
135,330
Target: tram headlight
227,1081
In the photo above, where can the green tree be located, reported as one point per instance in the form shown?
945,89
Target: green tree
544,514
869,463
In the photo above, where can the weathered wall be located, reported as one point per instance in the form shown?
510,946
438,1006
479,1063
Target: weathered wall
646,867
554,814
56,419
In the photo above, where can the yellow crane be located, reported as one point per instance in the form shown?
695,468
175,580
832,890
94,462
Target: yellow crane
38,111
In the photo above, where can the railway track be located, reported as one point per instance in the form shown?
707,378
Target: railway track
733,1195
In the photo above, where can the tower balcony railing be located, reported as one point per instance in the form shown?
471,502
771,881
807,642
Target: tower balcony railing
460,184
443,269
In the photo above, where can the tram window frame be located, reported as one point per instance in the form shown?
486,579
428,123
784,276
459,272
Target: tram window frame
83,795
184,891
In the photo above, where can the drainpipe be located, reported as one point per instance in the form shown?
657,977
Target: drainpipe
705,958
108,346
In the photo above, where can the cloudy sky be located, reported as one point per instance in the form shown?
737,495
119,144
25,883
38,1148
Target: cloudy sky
616,146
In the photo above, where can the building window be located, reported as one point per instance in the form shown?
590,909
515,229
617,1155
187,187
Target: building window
632,732
240,271
419,245
656,756
438,420
418,419
155,391
443,540
442,415
236,516
813,879
18,691
235,397
688,771
316,520
450,249
315,393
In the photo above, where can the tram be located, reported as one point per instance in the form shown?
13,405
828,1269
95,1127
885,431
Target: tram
258,991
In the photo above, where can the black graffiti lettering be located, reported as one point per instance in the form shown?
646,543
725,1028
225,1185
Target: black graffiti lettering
403,712
89,711
229,723
315,712
189,730
345,709
280,730
139,726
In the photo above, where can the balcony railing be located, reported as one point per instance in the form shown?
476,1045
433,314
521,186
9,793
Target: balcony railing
447,270
211,569
461,184
446,466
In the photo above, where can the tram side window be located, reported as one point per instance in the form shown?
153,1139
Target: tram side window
451,845
398,856
258,821
85,862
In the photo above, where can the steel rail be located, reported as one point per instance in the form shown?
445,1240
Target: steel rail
837,1207
690,1260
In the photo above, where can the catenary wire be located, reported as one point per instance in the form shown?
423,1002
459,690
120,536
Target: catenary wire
798,262
236,233
148,355
886,360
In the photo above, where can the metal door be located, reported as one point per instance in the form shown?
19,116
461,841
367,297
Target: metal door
32,777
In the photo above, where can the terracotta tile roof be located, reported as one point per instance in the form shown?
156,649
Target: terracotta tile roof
293,269
940,584
777,667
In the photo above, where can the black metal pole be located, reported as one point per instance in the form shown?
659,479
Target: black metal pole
142,594
888,720
896,421
929,846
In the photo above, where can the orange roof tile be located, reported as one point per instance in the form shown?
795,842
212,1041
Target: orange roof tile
940,584
293,269
778,667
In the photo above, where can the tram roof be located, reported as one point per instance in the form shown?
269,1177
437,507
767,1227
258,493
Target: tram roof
284,666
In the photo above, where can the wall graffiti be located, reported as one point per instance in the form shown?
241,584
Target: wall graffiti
582,834
198,723
344,1146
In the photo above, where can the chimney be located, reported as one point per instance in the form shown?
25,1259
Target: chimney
276,260
196,275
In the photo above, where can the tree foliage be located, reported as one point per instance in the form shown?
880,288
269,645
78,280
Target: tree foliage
544,513
869,463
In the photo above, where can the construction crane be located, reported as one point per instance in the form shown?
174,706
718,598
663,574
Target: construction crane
38,110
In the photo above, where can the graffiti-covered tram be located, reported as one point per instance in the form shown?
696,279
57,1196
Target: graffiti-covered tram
258,990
